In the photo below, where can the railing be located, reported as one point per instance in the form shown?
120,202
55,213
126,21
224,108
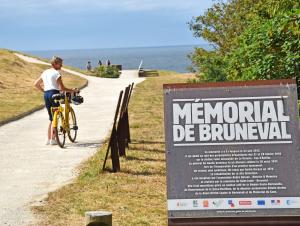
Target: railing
140,65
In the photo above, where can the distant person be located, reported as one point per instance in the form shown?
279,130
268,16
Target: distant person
50,83
99,63
89,66
108,62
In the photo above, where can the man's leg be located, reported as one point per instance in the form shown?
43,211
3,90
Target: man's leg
49,130
52,134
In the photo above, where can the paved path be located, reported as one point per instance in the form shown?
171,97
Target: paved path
29,169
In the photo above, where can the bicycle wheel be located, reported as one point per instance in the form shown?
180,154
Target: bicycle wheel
60,132
72,132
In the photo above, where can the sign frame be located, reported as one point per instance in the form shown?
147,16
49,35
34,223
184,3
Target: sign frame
228,220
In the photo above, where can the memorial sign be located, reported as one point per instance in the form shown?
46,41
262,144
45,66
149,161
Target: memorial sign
232,149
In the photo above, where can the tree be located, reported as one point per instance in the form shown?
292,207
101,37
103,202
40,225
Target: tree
253,39
223,22
211,65
267,50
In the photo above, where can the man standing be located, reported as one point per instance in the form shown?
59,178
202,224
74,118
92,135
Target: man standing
89,66
50,83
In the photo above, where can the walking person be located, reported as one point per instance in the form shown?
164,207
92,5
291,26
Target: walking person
50,83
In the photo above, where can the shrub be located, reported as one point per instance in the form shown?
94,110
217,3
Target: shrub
267,50
251,39
107,71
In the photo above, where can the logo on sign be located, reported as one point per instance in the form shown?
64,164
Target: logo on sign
245,203
231,203
205,203
290,202
217,203
275,202
261,202
195,203
181,204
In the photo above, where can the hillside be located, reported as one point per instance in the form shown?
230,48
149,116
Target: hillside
17,93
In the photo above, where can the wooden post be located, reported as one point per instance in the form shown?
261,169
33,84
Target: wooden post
128,140
120,127
113,144
114,151
98,218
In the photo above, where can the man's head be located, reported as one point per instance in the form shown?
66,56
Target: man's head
56,62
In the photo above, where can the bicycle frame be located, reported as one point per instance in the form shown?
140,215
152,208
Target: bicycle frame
65,111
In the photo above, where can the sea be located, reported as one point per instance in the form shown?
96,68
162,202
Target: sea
174,58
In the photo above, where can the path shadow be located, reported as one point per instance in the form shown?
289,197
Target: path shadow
141,142
85,145
146,142
157,150
142,173
131,158
131,172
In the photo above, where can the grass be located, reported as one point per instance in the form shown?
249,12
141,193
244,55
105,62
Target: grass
86,72
17,93
137,194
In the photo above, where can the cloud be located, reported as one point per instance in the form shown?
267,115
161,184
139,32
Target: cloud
77,6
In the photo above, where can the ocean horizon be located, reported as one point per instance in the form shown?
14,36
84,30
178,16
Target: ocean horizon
174,58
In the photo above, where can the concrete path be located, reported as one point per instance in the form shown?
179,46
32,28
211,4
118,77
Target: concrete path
29,169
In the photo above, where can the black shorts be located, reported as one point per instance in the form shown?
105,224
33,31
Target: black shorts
49,103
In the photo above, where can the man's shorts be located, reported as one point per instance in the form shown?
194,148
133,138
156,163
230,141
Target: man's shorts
49,103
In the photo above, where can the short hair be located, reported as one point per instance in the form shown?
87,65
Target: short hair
56,59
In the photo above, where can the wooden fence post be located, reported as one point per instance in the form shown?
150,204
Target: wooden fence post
126,116
113,142
120,127
120,134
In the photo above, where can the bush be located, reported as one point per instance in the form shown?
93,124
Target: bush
211,66
107,71
251,39
267,50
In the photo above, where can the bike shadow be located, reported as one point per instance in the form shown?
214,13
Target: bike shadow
84,145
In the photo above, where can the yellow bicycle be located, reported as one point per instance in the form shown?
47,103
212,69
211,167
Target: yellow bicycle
64,118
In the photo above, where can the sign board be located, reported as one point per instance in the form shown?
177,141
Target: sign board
232,149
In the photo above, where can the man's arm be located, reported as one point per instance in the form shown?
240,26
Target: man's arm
63,88
38,84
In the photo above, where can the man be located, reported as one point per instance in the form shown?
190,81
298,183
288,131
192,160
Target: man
50,83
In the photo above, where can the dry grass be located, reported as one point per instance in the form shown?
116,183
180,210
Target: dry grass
137,195
86,72
17,93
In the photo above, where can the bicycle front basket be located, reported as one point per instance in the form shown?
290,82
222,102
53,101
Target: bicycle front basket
77,100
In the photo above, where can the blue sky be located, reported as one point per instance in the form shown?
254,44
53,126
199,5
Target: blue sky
81,24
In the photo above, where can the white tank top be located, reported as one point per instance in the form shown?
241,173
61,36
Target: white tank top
49,78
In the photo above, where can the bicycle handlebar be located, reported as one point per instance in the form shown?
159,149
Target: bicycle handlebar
75,99
58,97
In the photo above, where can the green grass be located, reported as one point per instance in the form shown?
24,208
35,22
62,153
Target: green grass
17,93
137,194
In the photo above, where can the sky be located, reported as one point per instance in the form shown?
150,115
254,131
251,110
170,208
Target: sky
80,24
